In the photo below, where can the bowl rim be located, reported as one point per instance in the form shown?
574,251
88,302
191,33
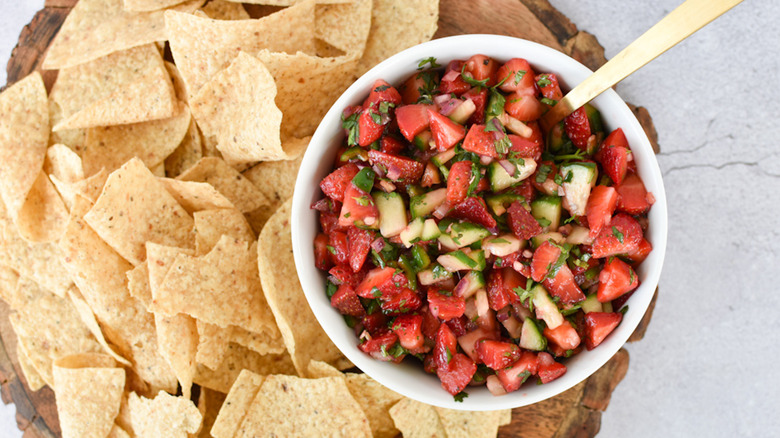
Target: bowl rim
323,144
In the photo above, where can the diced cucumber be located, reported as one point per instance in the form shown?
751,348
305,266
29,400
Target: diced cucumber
500,179
503,245
463,260
545,307
516,126
466,233
499,203
430,230
531,337
557,138
414,190
392,213
579,235
408,267
433,275
420,258
424,140
547,210
495,106
355,152
552,235
425,204
463,111
412,232
442,158
470,284
608,307
594,119
578,179
447,243
591,304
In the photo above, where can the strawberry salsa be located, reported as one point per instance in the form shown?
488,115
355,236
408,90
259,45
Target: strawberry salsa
457,233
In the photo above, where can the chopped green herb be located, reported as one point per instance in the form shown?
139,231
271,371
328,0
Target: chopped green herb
623,310
384,107
500,240
372,307
542,172
569,353
548,101
470,80
381,88
375,292
376,118
631,277
351,125
543,81
543,221
519,76
430,61
331,249
330,289
449,354
618,235
460,396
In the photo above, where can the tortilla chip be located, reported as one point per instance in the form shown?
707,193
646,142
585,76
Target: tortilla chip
31,375
149,5
111,146
287,2
135,208
304,338
177,339
276,179
316,405
504,417
417,420
344,26
202,47
72,138
138,284
118,432
210,147
239,399
163,416
237,107
262,343
225,10
43,216
99,273
209,404
91,188
96,28
89,390
24,134
469,424
239,358
189,151
8,282
212,344
63,163
196,196
88,318
211,225
396,26
306,78
240,191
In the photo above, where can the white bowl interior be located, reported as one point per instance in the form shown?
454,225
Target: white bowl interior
408,378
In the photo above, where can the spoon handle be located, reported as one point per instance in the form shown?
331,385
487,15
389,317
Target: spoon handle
675,27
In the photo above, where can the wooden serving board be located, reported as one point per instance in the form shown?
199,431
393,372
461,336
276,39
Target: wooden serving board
575,413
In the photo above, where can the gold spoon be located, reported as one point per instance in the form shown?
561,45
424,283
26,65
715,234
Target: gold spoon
675,27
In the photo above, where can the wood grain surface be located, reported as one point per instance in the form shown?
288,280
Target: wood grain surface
574,413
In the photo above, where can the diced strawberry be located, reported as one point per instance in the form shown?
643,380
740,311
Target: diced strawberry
446,133
544,259
601,205
615,279
480,68
381,91
513,377
375,324
563,336
548,85
358,208
429,365
330,222
489,324
512,280
621,237
598,325
410,170
458,181
346,301
335,184
410,89
500,287
526,190
613,155
480,142
381,279
459,326
473,209
340,252
548,186
468,340
412,119
359,247
453,82
521,222
496,354
577,128
321,258
458,373
579,271
368,130
445,305
482,185
524,107
431,175
479,96
344,275
564,287
409,331
641,252
549,369
517,74
632,196
390,145
400,301
446,346
526,147
377,347
507,261
618,302
430,323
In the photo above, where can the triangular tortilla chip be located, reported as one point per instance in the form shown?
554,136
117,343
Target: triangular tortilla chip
240,191
96,28
196,196
239,358
9,279
276,179
344,26
239,399
43,217
24,134
64,163
189,151
72,138
89,390
417,420
33,377
149,5
225,10
163,416
469,424
88,318
212,344
211,225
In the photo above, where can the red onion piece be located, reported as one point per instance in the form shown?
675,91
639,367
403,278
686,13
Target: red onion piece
441,99
494,385
379,170
378,244
334,280
485,160
442,210
650,198
451,75
386,186
504,314
509,167
449,106
493,230
393,172
323,205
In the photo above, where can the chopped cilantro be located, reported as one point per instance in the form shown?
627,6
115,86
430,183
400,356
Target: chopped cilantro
542,172
548,101
363,201
569,353
623,310
331,289
384,107
381,88
331,249
376,118
375,292
397,351
618,235
449,354
474,180
570,220
558,179
519,76
351,125
430,61
372,307
631,277
495,105
460,396
470,80
543,81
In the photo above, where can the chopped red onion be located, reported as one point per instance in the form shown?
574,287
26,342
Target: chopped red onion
508,166
449,106
441,99
393,172
493,230
504,314
334,280
323,205
485,160
650,198
386,186
378,244
494,385
379,170
442,210
450,75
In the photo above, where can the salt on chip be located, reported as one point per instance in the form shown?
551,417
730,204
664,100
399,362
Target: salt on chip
211,225
111,146
239,399
187,153
24,134
33,377
96,28
239,358
202,47
124,87
316,405
396,26
237,107
240,191
89,390
135,208
469,424
225,10
417,420
149,5
163,416
344,26
304,338
43,215
88,318
195,196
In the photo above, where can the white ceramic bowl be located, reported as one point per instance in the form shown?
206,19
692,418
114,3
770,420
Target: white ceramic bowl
409,378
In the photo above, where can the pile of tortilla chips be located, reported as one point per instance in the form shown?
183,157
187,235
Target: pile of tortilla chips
144,230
